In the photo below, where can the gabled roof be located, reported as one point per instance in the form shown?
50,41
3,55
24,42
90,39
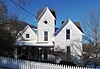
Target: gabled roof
64,24
25,29
22,31
78,25
61,27
42,10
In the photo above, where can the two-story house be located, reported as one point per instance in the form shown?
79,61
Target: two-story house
67,38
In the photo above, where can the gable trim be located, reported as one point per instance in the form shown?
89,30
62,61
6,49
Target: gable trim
41,14
63,25
22,31
78,28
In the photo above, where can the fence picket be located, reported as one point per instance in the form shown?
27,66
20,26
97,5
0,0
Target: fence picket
23,64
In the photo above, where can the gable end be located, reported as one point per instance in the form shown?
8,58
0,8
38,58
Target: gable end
41,11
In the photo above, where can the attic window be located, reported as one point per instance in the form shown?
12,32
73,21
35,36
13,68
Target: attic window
45,22
27,36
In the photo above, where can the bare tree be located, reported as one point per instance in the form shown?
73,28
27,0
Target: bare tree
7,35
91,25
5,14
19,9
3,11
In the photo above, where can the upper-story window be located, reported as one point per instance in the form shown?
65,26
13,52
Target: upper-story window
27,36
45,21
68,34
45,35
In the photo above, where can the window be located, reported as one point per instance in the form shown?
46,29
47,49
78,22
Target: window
68,34
45,35
45,22
68,49
27,35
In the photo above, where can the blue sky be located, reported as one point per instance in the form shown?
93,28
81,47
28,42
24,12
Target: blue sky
74,9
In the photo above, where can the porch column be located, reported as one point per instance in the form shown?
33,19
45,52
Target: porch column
29,52
15,52
51,49
40,54
45,54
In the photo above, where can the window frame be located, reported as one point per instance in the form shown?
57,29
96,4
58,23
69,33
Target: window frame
45,35
27,35
45,22
67,34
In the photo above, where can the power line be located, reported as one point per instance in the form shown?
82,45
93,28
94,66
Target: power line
22,8
26,10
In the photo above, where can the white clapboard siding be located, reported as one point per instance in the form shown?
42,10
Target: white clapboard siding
13,63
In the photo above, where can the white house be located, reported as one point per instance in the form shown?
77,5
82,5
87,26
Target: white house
67,38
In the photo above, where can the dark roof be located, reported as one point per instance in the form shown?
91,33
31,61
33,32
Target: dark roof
40,11
78,25
64,23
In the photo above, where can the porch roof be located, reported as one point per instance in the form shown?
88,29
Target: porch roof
31,43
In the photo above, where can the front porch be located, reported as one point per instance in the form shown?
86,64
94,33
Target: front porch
35,53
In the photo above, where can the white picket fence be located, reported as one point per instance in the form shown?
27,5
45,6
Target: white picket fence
12,63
